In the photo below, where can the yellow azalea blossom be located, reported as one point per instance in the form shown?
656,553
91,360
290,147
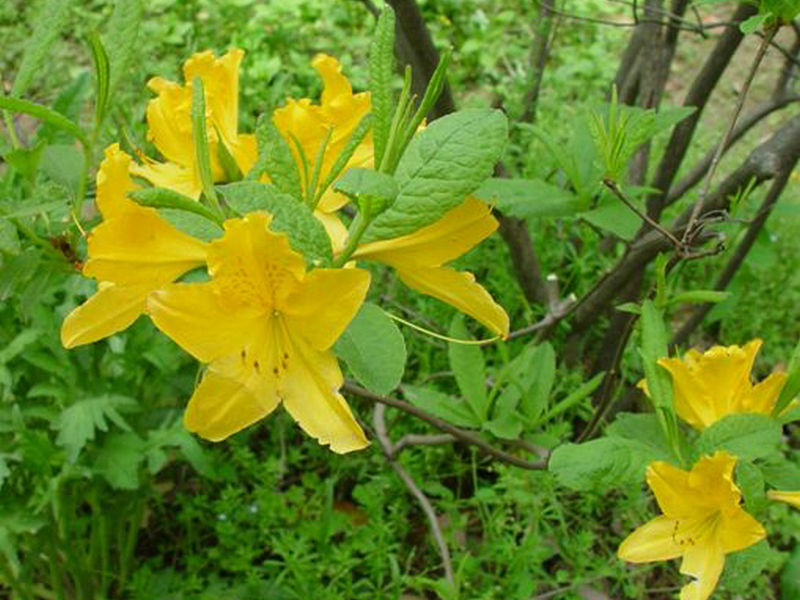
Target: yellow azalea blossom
265,326
418,258
340,111
131,253
702,521
716,383
792,498
169,118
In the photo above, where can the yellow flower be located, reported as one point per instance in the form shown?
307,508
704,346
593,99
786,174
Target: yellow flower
131,253
339,111
792,498
170,123
702,522
716,383
266,327
418,258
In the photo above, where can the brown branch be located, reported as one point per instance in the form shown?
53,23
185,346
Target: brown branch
414,46
759,57
461,434
379,421
744,125
699,92
737,258
540,51
765,162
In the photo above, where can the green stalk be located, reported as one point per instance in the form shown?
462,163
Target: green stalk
357,229
12,132
200,139
311,190
397,121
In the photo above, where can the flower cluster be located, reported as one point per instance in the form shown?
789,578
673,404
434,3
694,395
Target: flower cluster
702,517
266,319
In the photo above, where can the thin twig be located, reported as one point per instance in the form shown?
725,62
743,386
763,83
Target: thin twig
614,188
414,439
379,420
698,207
460,434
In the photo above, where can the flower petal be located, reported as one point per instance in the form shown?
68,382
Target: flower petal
202,322
173,176
670,485
792,498
114,182
139,246
691,402
254,265
655,540
739,530
321,309
111,309
460,290
221,84
764,395
704,563
169,121
231,396
309,387
451,236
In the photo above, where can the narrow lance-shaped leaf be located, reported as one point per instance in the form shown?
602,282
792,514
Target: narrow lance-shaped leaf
360,132
48,24
276,160
101,77
45,114
120,39
381,72
200,139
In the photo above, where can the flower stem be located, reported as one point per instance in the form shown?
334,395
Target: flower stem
357,229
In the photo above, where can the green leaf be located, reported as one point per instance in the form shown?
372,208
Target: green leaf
76,425
191,224
642,428
528,198
374,349
469,369
754,23
101,77
780,473
360,132
68,103
542,376
790,577
584,391
379,189
381,72
119,458
63,163
744,566
202,154
506,426
654,347
699,297
166,198
276,160
452,410
18,344
751,481
9,239
613,216
600,464
791,389
746,436
121,37
306,234
45,114
49,21
441,166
